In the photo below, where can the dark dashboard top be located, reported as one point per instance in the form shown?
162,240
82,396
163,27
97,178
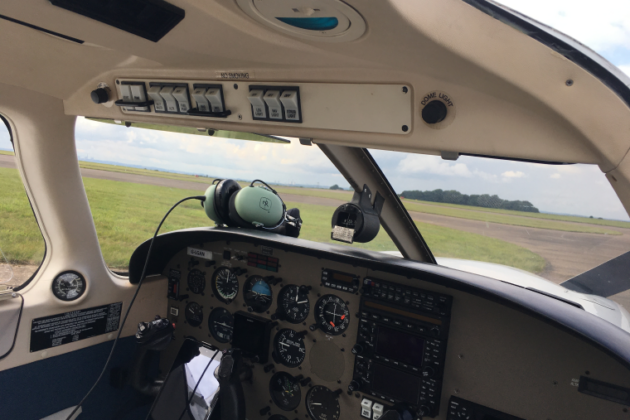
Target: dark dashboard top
577,322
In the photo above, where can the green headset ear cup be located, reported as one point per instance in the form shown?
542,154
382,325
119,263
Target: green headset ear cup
222,195
259,205
234,217
208,204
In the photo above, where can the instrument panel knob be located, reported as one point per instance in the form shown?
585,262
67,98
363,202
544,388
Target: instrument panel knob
354,386
357,349
99,96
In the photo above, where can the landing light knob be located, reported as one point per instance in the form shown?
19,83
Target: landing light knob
100,96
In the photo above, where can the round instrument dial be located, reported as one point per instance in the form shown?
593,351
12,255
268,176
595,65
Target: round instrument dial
289,348
225,284
257,293
196,281
221,324
194,314
332,314
68,286
322,403
285,391
293,303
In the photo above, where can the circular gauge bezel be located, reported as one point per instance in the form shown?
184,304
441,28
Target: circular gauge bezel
257,305
281,350
81,286
286,405
285,302
320,316
194,289
195,323
215,288
323,404
217,312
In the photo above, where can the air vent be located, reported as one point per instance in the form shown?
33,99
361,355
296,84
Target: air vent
149,19
316,20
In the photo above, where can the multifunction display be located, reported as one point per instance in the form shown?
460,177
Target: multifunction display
401,345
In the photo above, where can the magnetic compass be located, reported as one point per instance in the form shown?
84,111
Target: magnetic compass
68,286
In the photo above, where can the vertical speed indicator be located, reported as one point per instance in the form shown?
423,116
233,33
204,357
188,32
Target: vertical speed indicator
332,314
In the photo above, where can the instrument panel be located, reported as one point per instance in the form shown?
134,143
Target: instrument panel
328,339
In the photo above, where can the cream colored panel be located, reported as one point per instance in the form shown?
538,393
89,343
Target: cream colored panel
368,108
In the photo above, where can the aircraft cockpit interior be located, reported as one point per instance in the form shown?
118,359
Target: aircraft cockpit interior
312,210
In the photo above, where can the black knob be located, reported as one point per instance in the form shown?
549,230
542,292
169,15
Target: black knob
305,381
434,112
313,327
427,372
354,386
357,349
435,331
268,368
338,392
265,410
99,96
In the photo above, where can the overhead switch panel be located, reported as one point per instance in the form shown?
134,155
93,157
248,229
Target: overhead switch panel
275,103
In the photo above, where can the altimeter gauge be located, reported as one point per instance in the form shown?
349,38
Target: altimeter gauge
225,284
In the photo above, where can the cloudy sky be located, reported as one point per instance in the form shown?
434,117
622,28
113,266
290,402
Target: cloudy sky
575,189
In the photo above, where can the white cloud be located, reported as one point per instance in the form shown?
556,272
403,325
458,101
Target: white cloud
513,174
433,165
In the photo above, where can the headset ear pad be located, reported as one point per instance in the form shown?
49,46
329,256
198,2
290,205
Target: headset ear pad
222,194
234,217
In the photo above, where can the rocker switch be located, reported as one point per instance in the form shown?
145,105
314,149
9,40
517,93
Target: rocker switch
167,94
291,106
200,99
158,101
258,104
138,95
213,95
181,96
272,99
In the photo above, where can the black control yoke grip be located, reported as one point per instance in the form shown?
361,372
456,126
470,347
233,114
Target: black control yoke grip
231,396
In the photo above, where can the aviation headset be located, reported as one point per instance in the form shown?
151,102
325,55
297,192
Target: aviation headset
250,207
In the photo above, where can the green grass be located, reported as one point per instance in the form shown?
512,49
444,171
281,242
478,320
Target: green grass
563,218
20,239
506,219
126,214
5,152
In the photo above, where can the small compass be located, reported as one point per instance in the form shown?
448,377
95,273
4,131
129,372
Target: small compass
68,286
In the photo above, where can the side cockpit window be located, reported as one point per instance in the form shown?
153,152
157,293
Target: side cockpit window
22,246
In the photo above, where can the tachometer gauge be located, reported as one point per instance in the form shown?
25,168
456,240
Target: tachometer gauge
194,314
225,284
322,403
332,314
257,293
289,348
196,281
221,324
68,286
293,304
285,391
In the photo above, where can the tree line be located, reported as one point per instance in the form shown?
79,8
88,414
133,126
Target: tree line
483,200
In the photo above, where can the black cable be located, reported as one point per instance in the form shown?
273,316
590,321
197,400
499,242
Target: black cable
195,389
133,299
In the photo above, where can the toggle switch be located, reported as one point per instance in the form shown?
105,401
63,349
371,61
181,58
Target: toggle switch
125,95
213,95
167,94
366,408
289,99
158,101
181,96
200,100
272,99
258,104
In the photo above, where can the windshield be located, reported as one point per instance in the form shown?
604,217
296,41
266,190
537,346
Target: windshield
133,175
555,221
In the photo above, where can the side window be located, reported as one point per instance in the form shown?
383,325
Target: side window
133,175
22,246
